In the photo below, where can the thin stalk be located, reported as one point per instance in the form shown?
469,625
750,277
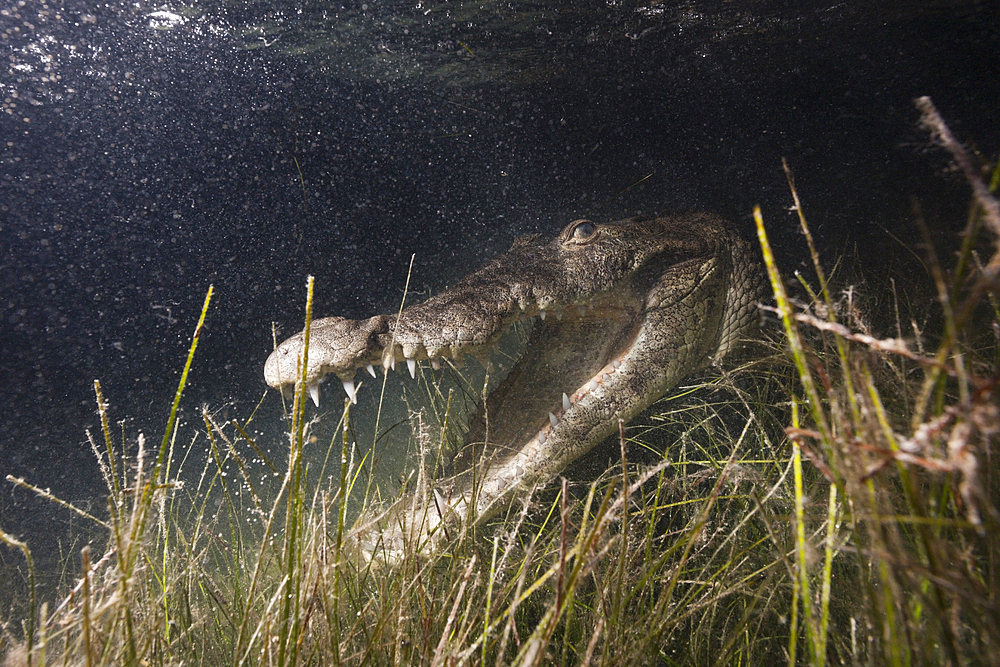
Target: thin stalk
825,289
688,541
489,601
927,539
43,493
87,648
217,457
623,546
341,517
42,637
235,455
795,344
29,633
289,615
801,546
385,378
793,624
439,652
831,532
102,410
242,646
253,444
147,491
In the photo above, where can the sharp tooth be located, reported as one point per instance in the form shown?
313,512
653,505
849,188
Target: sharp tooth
436,364
541,438
553,420
566,403
605,377
617,364
352,393
412,365
542,314
371,370
592,386
313,389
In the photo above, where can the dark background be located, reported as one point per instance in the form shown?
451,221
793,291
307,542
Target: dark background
144,156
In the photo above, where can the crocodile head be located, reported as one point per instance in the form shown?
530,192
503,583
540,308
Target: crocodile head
621,312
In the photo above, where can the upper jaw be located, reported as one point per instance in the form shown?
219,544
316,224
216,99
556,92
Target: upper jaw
450,326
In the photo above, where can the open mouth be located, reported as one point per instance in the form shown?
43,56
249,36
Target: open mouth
570,352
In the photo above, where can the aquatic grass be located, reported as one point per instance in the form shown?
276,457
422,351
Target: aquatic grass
900,488
791,509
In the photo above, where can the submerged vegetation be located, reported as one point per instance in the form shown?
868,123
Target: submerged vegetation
832,502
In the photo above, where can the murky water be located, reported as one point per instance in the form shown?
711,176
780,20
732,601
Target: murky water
150,149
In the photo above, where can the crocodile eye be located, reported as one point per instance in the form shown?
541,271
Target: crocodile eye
584,231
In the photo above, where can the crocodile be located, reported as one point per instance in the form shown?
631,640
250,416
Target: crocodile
620,312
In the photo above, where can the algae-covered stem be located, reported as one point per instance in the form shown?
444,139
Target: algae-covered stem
289,619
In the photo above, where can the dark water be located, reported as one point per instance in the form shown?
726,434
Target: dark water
148,150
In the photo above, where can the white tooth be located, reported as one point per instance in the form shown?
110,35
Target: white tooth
436,364
617,364
371,370
553,420
352,393
411,364
541,438
566,403
605,377
542,314
313,389
592,385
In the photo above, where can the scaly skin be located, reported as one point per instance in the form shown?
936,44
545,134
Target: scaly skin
623,310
